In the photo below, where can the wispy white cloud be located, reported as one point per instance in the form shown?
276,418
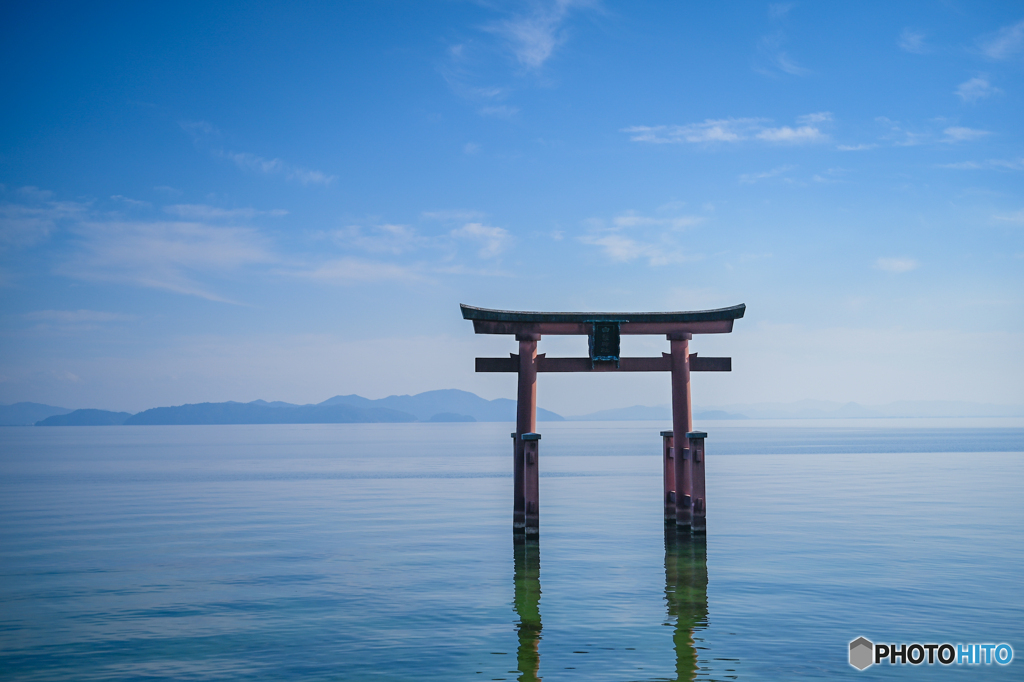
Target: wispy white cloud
35,194
976,88
473,272
206,135
621,248
258,164
634,219
856,147
492,240
750,178
534,35
172,256
499,111
128,201
633,236
198,129
1014,217
899,135
912,41
24,225
733,130
1004,43
995,164
772,58
350,270
961,134
76,316
777,10
709,131
68,322
455,214
830,176
204,212
896,265
530,32
383,238
797,135
816,117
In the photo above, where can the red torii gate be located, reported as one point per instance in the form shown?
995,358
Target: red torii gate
684,474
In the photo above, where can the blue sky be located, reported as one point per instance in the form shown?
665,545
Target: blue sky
217,201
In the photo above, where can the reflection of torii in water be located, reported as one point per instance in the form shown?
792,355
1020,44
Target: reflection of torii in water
527,607
686,591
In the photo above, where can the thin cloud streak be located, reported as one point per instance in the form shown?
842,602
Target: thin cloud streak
258,164
162,255
1015,217
733,130
751,178
76,316
961,134
896,265
349,270
493,240
206,135
24,226
912,41
975,89
1005,43
204,212
771,57
632,236
996,164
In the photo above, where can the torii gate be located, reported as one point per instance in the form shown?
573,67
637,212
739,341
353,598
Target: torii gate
684,474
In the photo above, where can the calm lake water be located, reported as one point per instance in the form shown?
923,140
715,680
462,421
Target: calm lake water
384,552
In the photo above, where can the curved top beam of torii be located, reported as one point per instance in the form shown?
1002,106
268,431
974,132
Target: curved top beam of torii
718,321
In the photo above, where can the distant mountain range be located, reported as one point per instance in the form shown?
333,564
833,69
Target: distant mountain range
452,405
27,414
449,405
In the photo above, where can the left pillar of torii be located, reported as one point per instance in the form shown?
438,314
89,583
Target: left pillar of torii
526,443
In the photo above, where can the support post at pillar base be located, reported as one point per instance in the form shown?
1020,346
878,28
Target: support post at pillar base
526,513
699,523
668,477
518,507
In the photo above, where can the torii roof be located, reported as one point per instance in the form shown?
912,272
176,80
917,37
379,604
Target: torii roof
732,313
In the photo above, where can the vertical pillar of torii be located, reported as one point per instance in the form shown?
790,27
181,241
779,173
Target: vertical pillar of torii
526,503
682,424
683,449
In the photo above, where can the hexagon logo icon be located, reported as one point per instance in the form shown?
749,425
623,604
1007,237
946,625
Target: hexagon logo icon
861,653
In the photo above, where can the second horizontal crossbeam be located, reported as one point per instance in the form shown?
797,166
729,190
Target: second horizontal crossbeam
654,364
